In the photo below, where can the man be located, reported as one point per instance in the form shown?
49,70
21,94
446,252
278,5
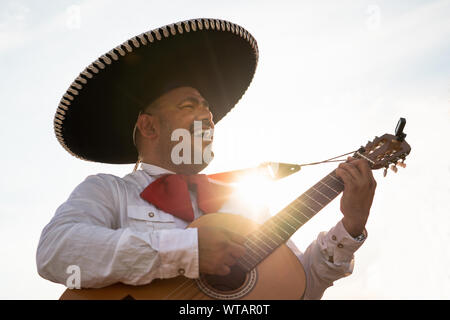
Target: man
133,229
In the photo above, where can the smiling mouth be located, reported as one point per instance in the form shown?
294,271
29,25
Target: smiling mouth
205,133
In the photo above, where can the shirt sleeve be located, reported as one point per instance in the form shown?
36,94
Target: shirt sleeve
328,258
85,232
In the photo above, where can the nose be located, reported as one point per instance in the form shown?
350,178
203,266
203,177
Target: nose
205,115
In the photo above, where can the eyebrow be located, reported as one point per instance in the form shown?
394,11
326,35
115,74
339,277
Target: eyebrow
193,100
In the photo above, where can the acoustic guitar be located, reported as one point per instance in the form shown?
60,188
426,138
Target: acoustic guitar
269,269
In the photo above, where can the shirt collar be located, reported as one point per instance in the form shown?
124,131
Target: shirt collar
153,170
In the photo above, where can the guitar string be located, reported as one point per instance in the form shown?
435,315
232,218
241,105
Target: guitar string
179,290
186,281
196,293
186,284
258,243
186,292
328,160
253,252
191,283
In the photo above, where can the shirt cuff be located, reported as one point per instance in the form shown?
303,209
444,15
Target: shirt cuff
338,245
178,252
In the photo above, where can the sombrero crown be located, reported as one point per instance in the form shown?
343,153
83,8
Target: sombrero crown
95,118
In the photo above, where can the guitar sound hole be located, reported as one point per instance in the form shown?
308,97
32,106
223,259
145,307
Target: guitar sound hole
231,282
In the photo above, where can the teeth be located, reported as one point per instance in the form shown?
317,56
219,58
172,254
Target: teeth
206,133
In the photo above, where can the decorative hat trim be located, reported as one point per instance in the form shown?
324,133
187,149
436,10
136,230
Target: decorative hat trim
144,39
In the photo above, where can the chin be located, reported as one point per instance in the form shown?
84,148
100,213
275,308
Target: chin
190,168
195,166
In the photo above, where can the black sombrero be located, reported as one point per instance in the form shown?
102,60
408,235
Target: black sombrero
96,116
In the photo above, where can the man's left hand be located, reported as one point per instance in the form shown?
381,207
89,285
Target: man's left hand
359,190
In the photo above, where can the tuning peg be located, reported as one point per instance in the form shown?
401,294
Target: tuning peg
401,164
385,172
394,168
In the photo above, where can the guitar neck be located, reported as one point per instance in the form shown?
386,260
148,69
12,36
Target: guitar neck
279,228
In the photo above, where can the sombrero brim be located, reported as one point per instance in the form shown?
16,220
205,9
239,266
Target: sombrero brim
96,116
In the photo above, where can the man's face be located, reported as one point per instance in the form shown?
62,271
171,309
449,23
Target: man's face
184,108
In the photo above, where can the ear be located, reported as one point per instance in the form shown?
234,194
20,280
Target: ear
148,126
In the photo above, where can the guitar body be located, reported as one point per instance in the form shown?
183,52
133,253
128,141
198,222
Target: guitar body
278,276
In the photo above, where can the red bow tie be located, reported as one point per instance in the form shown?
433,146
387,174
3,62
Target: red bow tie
170,193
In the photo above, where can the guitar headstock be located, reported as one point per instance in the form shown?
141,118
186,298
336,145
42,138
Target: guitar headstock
386,150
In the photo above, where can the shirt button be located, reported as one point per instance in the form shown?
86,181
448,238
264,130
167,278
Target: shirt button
151,214
181,271
333,238
340,245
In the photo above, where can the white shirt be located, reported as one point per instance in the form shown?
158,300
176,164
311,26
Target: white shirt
113,235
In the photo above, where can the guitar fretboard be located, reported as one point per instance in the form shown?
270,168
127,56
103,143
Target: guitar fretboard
279,228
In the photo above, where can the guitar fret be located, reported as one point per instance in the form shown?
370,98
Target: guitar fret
318,191
272,230
259,246
293,217
325,189
246,268
311,204
291,220
262,240
335,179
321,206
303,214
256,246
248,259
245,257
253,255
279,228
328,187
246,264
275,222
285,223
270,239
335,182
313,211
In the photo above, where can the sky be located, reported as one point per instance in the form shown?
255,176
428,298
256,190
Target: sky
331,76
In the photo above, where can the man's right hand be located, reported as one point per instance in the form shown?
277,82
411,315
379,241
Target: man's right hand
218,249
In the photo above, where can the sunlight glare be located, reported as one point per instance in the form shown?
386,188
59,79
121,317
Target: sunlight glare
254,190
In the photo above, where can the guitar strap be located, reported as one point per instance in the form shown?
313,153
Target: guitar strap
272,170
